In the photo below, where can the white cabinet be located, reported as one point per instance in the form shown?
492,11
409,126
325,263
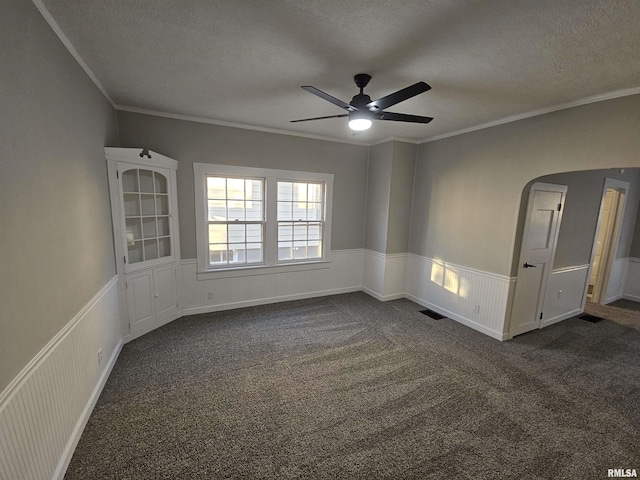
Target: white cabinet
151,298
145,225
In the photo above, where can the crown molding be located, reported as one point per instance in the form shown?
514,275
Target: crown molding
514,118
69,46
222,123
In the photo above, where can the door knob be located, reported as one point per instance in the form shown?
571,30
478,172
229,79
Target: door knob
528,265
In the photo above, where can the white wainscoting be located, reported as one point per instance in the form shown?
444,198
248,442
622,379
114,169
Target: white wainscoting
472,297
384,275
617,278
343,274
565,294
45,408
632,281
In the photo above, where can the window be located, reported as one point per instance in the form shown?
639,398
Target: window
300,220
235,220
260,219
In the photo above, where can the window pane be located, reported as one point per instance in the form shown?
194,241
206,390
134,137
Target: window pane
285,190
164,247
134,230
217,210
254,233
162,204
315,192
253,189
131,204
235,210
299,250
163,226
314,211
148,203
237,253
235,188
149,228
216,188
236,233
150,249
314,251
160,182
130,181
285,251
218,254
285,232
300,192
217,233
254,252
254,210
146,181
134,251
284,211
314,231
300,232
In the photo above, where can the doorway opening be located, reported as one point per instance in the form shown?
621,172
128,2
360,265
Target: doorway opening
606,240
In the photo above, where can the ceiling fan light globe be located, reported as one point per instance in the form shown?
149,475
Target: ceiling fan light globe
360,124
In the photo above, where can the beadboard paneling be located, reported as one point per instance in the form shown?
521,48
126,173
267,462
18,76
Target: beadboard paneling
384,275
617,277
565,294
632,281
343,274
45,408
472,297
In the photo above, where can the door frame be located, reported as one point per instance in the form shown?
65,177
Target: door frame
606,276
527,213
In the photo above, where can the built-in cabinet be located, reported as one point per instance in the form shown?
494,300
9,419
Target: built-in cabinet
145,225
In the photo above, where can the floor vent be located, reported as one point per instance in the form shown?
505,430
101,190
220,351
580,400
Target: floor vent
432,314
590,318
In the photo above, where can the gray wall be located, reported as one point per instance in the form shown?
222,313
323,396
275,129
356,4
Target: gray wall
581,211
389,192
468,187
404,166
56,241
378,193
189,142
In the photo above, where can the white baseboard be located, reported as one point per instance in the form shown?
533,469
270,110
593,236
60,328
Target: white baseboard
472,297
633,298
265,301
383,298
86,413
453,316
559,318
48,403
342,274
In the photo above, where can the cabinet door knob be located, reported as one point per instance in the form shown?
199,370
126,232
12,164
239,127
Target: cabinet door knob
156,295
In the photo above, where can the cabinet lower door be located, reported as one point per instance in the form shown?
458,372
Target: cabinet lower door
164,279
140,302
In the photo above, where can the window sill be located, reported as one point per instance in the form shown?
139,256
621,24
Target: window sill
250,271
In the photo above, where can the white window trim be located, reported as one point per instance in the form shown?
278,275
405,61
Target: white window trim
271,263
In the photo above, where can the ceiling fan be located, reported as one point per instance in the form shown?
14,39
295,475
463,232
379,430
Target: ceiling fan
362,110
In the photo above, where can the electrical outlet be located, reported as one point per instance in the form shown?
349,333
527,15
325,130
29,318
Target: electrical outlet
99,356
209,295
476,309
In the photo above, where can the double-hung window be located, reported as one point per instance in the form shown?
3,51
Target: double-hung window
256,218
235,218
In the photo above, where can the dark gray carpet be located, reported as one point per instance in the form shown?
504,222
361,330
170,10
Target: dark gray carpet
347,387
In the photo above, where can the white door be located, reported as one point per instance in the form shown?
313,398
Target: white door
544,213
164,282
140,302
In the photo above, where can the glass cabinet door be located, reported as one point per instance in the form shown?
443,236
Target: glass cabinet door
147,226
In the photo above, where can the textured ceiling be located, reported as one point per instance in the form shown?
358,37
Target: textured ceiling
243,61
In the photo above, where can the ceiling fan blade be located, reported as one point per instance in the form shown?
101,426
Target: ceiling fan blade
401,117
329,98
399,96
319,118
